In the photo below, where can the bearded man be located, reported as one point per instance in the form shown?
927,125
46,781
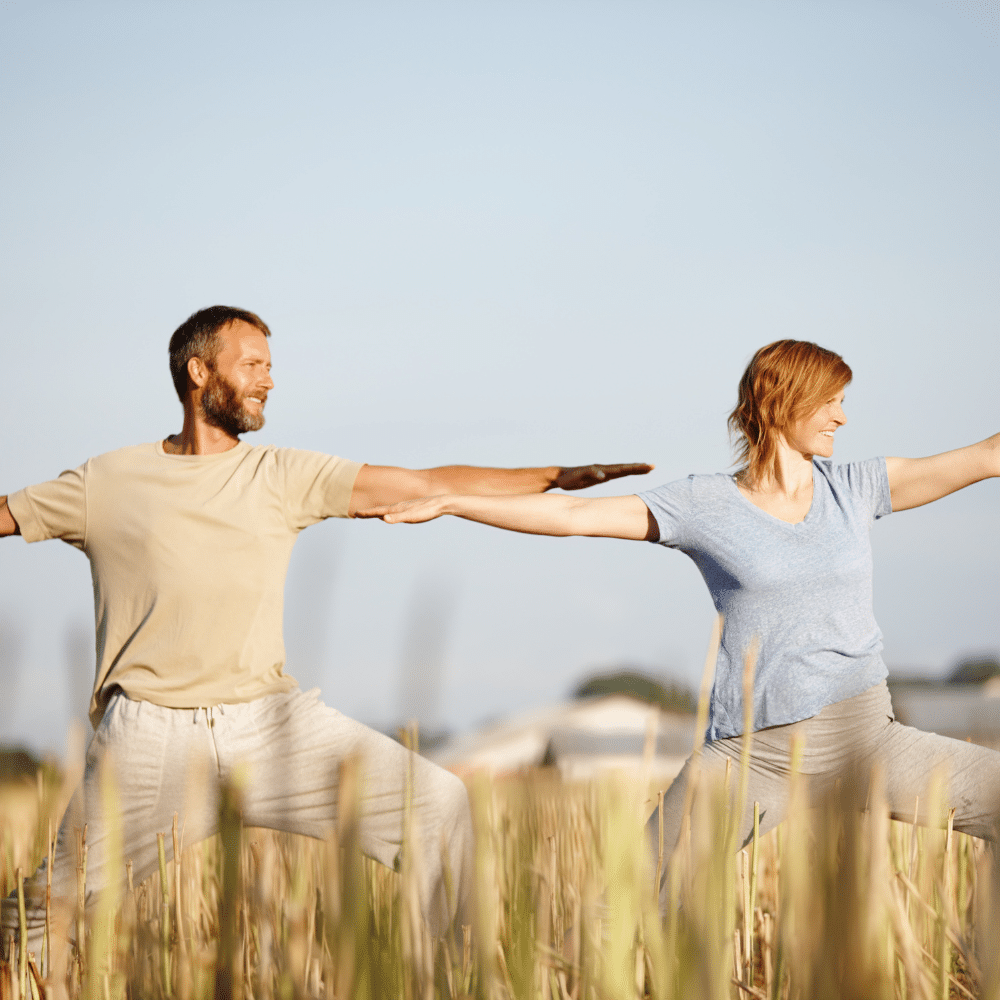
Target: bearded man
189,540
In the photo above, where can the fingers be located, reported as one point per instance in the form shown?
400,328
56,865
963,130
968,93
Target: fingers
372,512
388,513
627,469
405,512
581,476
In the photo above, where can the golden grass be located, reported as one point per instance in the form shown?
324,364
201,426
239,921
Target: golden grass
837,903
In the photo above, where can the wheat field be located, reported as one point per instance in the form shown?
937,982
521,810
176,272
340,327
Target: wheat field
837,902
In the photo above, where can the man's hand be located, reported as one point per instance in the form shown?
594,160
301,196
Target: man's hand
579,477
8,526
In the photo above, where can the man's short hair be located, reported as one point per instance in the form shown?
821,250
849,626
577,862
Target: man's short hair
198,337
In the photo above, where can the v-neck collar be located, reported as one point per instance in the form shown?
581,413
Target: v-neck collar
778,520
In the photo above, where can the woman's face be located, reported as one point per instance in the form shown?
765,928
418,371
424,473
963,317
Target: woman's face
813,435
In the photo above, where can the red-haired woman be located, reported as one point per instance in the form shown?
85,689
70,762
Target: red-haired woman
784,548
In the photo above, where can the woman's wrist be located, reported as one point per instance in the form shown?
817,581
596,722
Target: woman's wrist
994,443
450,503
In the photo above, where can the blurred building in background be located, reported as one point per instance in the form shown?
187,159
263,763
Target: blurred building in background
624,719
964,705
580,738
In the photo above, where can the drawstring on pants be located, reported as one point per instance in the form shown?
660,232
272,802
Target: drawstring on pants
210,713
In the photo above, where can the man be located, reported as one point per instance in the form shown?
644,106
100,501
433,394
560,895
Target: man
189,540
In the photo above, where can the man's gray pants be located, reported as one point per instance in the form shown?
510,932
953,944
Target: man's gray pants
289,746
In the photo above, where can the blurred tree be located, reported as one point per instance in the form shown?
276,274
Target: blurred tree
975,669
671,696
17,762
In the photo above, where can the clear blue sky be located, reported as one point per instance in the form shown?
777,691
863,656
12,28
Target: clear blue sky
499,233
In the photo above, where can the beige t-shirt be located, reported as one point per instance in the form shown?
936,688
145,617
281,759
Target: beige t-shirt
188,554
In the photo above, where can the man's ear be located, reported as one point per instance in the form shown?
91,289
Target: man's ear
198,372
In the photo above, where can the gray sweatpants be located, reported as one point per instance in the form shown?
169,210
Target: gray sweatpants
290,746
849,738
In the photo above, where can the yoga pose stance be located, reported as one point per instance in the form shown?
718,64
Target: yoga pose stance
189,540
784,548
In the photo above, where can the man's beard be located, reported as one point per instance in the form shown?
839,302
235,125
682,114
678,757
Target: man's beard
224,408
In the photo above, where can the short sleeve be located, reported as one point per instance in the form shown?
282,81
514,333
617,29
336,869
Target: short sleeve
56,509
868,483
670,505
317,486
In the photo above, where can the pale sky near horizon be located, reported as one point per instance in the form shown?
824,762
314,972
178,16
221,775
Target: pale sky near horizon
499,233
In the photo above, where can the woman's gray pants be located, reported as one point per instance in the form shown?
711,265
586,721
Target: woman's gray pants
847,740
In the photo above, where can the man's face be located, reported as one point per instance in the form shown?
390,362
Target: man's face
233,398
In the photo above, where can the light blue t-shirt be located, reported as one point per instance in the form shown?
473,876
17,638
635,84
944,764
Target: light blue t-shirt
804,590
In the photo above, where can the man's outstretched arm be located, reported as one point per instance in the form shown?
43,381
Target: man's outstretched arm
8,526
379,485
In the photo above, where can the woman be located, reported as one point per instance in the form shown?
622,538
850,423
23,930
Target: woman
784,548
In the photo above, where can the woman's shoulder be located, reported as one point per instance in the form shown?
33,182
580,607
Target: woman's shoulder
682,504
696,484
848,472
866,481
689,494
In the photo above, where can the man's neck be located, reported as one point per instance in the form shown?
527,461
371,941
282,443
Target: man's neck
199,438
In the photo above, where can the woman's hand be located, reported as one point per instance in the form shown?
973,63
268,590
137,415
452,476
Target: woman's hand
408,511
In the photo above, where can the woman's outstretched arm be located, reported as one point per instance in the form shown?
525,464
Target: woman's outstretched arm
916,481
536,514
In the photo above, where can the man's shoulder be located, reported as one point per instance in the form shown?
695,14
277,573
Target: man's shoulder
295,456
122,458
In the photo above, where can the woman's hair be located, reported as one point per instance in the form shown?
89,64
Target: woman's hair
784,382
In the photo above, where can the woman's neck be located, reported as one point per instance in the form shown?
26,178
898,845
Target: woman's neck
786,490
790,476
